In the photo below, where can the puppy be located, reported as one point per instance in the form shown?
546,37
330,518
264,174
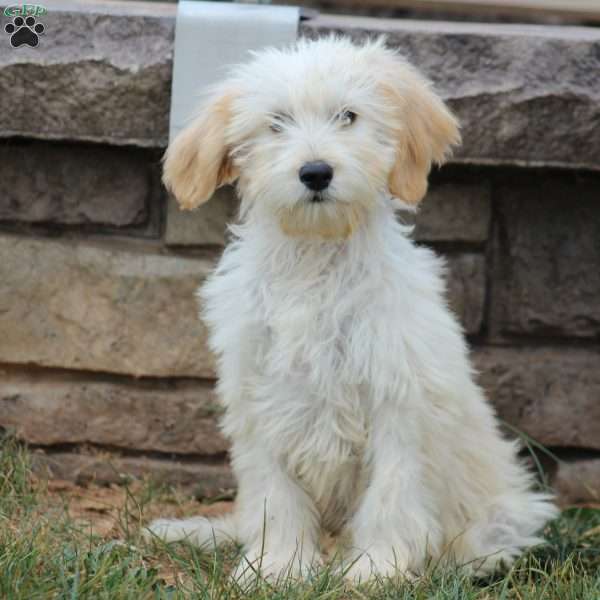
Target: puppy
350,401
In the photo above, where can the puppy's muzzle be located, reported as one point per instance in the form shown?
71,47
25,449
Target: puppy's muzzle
316,176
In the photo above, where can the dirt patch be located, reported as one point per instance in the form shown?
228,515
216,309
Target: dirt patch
107,510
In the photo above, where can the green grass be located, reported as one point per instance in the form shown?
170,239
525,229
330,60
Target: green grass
46,553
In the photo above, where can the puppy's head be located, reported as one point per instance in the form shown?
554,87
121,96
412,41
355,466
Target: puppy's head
315,135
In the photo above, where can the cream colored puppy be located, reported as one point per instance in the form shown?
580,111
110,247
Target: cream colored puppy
350,400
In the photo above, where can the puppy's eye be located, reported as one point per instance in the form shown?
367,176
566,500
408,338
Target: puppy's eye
347,117
276,124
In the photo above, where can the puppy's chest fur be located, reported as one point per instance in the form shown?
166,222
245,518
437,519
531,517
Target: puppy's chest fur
310,398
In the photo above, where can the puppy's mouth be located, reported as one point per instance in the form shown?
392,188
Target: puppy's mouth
319,198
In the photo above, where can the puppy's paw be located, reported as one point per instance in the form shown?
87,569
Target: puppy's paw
275,566
377,563
166,530
176,530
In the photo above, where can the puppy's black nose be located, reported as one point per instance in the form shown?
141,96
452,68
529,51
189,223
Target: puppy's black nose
316,176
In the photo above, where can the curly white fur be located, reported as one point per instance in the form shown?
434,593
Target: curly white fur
350,400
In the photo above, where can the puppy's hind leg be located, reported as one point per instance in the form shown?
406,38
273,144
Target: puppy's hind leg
511,524
200,531
492,511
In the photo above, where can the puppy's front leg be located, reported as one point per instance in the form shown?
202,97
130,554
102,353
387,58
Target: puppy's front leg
277,521
396,525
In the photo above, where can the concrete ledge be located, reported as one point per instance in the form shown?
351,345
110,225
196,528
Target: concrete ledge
101,73
525,94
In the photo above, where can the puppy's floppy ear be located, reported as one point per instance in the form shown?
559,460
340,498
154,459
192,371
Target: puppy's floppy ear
423,125
198,161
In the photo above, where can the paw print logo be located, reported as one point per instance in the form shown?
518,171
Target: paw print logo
24,31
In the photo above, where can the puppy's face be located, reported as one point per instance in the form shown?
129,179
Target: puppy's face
316,136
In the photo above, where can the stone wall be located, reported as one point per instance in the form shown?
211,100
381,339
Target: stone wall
103,363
